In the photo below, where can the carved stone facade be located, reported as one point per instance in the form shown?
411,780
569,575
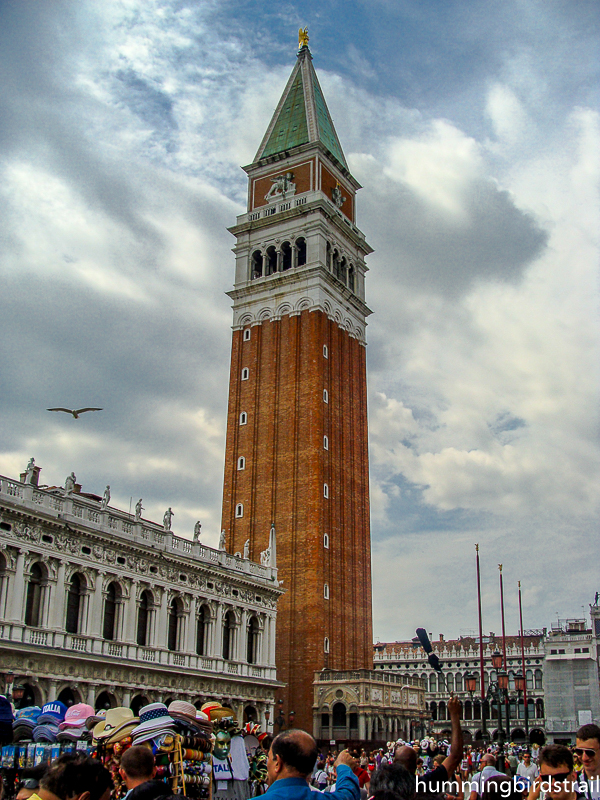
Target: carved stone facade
366,706
114,610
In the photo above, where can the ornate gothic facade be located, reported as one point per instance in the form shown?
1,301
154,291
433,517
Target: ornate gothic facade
100,606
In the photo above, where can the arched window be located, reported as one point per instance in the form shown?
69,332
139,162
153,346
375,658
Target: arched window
468,710
245,374
286,256
256,265
202,629
442,710
325,351
239,510
33,606
477,709
433,710
538,679
326,541
74,595
174,623
335,263
325,490
243,418
325,723
351,278
325,396
271,258
326,645
300,251
247,335
113,595
539,708
432,682
459,682
339,715
143,620
343,270
529,676
252,641
511,679
450,682
241,463
228,635
328,257
440,683
325,443
3,579
326,591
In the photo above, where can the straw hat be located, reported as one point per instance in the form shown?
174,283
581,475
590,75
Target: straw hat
115,719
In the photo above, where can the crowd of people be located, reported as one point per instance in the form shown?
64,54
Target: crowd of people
294,769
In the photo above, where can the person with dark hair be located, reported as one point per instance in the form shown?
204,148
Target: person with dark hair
290,763
392,782
137,771
587,748
29,781
557,778
75,777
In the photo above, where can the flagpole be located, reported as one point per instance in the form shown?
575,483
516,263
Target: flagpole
483,727
525,707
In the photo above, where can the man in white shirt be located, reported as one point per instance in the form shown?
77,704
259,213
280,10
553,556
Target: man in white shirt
488,770
527,770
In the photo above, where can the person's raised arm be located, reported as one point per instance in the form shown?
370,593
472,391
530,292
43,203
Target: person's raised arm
346,782
454,756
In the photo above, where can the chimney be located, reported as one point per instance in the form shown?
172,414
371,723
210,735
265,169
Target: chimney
441,637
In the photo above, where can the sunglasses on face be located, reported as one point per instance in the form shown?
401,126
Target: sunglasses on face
558,777
588,751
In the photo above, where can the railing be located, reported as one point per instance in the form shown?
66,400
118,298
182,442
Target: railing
178,660
77,643
115,650
148,655
121,524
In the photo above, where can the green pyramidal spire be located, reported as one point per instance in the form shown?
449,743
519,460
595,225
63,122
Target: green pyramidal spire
301,115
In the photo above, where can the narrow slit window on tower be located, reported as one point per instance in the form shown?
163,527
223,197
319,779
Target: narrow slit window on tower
245,374
325,490
325,351
247,335
326,645
325,443
301,251
241,462
326,591
326,541
325,396
243,418
239,510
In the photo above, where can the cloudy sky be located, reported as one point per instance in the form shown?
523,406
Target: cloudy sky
474,130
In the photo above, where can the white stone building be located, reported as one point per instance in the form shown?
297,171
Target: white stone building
461,656
102,606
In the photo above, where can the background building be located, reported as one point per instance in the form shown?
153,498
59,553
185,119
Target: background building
461,656
101,606
571,676
367,706
297,450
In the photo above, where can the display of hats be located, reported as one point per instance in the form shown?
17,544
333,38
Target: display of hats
46,732
186,712
154,721
53,712
25,721
92,721
77,716
208,707
6,713
115,721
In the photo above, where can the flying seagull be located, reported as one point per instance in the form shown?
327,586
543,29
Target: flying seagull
75,412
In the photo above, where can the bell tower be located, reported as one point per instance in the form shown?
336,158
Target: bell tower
297,450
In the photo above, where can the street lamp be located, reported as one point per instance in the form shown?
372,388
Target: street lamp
267,718
497,660
280,719
520,686
471,683
291,718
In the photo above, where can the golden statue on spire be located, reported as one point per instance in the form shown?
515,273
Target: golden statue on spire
302,38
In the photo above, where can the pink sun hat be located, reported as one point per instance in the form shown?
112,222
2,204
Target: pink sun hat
76,716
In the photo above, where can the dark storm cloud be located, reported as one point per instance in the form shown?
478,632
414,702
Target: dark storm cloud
441,254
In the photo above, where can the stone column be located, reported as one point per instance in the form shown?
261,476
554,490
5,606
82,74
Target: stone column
161,627
217,649
192,626
362,733
243,637
57,612
126,698
91,694
272,634
129,632
97,609
17,612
